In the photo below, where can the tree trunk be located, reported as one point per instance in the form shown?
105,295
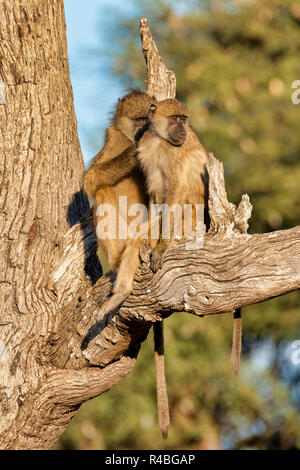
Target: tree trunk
41,171
48,266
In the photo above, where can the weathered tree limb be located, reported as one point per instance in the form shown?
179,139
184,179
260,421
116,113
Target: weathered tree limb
161,82
233,269
229,272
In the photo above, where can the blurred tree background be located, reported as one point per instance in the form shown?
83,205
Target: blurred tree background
235,62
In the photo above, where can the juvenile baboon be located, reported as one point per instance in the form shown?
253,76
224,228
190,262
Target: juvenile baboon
113,174
175,165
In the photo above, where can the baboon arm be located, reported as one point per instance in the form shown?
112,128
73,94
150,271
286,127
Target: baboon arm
110,172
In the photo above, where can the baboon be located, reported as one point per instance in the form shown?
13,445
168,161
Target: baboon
115,173
175,165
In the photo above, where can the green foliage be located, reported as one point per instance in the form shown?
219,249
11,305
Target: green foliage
235,62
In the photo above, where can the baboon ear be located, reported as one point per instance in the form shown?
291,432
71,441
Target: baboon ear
152,109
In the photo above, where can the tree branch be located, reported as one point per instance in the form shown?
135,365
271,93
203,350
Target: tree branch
233,269
161,82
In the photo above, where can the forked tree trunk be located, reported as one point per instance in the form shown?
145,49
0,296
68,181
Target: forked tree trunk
47,255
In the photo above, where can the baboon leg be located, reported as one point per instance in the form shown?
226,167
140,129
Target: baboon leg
129,262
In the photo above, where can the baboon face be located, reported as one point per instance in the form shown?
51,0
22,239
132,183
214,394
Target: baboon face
177,129
169,120
131,117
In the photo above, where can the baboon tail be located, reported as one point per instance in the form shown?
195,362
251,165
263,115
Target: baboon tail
236,341
161,386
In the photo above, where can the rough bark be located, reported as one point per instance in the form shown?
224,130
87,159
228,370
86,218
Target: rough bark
41,171
48,287
161,82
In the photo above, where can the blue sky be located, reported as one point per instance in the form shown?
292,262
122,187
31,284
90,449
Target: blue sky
95,92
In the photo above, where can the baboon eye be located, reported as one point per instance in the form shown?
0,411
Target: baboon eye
177,117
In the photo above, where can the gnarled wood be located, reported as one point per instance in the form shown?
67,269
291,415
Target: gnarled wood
161,82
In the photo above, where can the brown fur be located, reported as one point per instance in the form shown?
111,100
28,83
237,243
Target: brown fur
161,386
177,174
115,172
174,174
236,341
